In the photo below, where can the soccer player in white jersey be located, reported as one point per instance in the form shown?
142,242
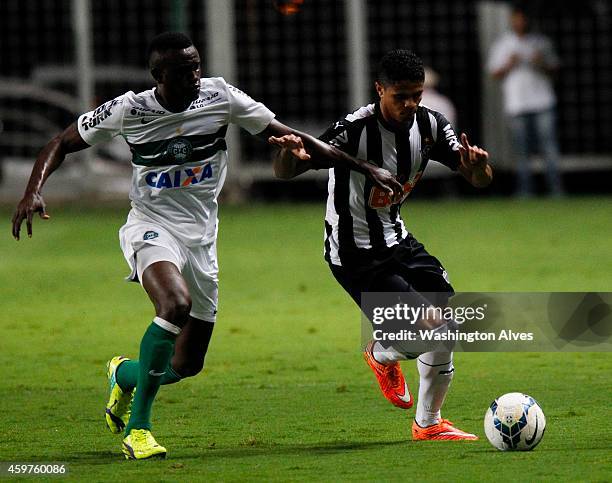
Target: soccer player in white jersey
367,245
176,133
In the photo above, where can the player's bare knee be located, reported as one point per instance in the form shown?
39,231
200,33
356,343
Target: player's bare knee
175,308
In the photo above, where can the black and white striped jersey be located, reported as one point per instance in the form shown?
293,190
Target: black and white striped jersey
361,221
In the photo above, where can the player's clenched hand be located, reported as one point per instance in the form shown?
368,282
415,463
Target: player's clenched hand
386,181
292,143
30,204
473,158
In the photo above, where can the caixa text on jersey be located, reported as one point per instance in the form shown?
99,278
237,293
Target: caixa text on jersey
179,178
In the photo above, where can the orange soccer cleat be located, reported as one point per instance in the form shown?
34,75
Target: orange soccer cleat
390,379
444,430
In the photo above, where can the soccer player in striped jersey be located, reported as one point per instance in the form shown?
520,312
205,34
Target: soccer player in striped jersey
367,245
176,133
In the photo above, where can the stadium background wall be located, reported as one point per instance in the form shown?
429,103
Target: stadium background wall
310,68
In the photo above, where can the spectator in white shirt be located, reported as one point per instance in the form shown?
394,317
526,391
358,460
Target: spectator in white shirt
524,62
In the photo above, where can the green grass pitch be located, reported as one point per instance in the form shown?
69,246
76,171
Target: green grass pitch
285,394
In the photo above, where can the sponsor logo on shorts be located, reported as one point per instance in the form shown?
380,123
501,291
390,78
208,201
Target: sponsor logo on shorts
150,235
446,277
179,178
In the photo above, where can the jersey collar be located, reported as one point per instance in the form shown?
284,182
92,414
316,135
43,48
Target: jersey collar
388,126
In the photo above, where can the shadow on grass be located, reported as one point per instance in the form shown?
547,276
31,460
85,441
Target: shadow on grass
262,449
266,449
91,457
244,451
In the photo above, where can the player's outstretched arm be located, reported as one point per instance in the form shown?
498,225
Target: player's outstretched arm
301,152
474,166
292,159
48,161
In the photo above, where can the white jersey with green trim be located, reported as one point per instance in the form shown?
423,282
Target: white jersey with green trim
179,159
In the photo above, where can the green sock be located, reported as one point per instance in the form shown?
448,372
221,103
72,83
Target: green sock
155,353
127,375
170,377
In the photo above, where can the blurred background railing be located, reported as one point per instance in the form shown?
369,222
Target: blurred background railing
61,57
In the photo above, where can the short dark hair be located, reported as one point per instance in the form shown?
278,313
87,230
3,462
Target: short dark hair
167,41
400,65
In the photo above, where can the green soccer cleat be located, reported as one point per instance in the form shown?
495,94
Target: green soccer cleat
119,402
140,445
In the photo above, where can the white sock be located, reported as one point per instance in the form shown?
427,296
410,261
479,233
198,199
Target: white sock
164,324
436,372
386,356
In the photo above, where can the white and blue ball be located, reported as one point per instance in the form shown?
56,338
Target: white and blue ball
514,422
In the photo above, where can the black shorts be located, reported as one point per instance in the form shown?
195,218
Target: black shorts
407,267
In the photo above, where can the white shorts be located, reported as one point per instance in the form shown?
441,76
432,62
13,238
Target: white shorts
144,243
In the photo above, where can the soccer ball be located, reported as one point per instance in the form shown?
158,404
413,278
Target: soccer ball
514,422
